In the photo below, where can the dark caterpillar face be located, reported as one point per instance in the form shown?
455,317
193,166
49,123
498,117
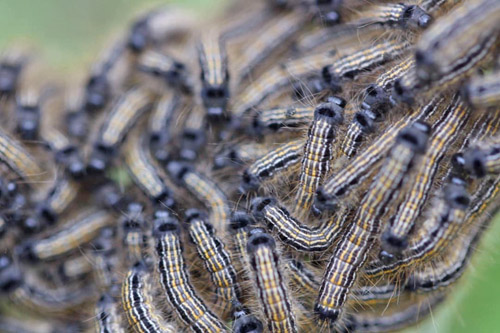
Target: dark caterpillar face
97,92
215,99
9,75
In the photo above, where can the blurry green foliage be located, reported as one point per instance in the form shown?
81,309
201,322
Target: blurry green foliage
69,34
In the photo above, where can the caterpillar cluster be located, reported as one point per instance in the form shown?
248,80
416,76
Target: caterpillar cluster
292,166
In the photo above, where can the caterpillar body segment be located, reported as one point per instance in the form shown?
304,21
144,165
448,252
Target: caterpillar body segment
351,252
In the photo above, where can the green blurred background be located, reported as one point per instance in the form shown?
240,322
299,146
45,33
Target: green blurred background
69,35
